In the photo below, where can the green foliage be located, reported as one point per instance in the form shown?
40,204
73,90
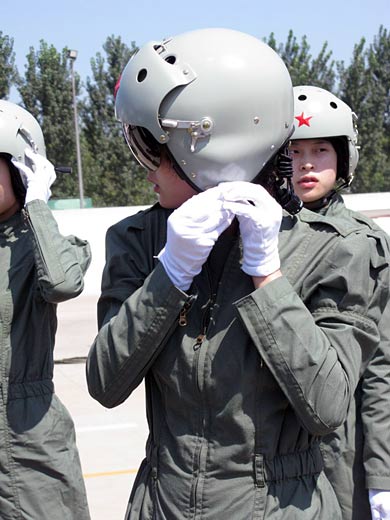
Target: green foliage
8,71
365,87
46,91
111,173
303,68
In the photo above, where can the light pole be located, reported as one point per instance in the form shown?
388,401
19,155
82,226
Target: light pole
72,55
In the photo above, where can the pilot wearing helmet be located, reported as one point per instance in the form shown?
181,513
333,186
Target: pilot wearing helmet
220,301
40,473
325,154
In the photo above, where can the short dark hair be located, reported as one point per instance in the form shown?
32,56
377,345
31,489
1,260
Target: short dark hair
16,180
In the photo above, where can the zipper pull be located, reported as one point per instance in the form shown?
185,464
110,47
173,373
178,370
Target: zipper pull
183,313
199,341
183,317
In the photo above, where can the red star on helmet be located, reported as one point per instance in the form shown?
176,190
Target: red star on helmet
302,120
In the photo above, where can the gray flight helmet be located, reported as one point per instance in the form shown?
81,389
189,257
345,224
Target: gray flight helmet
219,99
320,114
18,130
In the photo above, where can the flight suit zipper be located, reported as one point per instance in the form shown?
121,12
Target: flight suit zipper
197,347
258,462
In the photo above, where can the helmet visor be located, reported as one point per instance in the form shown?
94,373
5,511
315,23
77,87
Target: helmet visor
143,146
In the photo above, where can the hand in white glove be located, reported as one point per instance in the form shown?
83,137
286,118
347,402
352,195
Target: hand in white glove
38,178
380,504
192,231
260,217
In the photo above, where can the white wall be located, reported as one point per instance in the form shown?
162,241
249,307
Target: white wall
368,201
374,205
92,224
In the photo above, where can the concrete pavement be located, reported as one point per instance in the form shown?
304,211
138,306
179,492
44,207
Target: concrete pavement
111,442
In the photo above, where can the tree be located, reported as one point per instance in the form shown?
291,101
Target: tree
379,69
111,173
46,92
8,71
303,68
365,87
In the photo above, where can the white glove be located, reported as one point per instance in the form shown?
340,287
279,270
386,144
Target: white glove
38,178
192,231
260,217
380,504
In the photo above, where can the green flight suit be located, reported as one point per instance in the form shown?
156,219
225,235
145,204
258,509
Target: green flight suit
240,383
357,455
40,472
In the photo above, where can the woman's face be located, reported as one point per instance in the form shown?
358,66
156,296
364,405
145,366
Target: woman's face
171,189
315,168
8,202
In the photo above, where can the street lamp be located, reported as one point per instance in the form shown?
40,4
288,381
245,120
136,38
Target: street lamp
72,55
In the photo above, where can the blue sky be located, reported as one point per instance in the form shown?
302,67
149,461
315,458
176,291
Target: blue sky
84,25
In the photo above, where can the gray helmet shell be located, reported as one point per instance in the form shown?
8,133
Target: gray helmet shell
18,130
320,114
221,100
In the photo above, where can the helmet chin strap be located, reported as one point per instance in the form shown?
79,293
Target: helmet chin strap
319,203
342,183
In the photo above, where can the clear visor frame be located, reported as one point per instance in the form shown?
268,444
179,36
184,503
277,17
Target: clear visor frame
143,146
